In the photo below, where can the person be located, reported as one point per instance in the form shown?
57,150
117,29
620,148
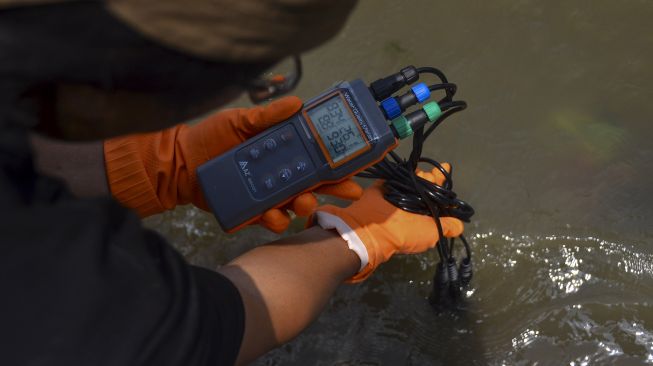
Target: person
83,282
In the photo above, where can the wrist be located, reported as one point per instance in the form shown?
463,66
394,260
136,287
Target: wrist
193,150
348,262
357,238
329,221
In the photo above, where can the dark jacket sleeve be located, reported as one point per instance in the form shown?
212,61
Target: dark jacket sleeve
83,283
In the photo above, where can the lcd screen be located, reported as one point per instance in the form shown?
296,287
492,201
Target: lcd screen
337,128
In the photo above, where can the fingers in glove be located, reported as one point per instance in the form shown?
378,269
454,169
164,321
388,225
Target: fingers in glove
260,118
275,220
347,189
435,175
426,175
304,204
451,227
439,177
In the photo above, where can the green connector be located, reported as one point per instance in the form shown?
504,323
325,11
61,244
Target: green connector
402,127
432,110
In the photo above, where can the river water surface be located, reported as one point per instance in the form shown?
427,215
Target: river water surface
555,153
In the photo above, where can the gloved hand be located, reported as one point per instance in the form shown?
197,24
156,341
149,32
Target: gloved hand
154,172
376,230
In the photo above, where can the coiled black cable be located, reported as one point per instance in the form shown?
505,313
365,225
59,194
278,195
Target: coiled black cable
406,190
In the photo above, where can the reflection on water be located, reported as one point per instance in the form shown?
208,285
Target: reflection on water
558,299
555,155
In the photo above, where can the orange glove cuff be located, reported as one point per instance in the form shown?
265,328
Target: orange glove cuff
151,172
128,178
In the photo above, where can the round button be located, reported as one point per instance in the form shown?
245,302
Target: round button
285,174
286,136
300,166
268,182
254,152
270,144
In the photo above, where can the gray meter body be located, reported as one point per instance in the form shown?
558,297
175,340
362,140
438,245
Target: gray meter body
334,136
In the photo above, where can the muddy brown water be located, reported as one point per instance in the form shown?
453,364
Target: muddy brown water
554,153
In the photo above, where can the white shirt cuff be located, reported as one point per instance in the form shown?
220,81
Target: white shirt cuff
328,221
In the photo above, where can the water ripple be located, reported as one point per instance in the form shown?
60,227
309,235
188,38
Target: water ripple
551,299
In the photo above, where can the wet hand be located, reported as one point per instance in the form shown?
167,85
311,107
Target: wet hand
376,230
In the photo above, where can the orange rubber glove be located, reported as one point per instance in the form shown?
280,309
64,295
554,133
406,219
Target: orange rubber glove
154,172
376,230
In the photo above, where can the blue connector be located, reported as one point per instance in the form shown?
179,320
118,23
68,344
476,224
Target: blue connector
391,108
421,91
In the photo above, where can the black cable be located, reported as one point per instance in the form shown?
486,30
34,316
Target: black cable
406,190
459,106
440,75
434,71
448,86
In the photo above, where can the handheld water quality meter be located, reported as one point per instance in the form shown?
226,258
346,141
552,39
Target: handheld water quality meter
334,136
348,130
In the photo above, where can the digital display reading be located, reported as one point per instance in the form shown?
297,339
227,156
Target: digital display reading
337,128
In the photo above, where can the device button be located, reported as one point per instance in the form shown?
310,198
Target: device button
286,136
254,152
285,174
270,144
300,166
268,182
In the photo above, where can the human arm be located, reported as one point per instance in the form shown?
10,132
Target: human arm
147,294
286,284
154,172
79,164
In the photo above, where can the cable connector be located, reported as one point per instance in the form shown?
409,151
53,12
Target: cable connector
440,295
432,110
466,272
383,88
401,127
392,107
454,284
417,119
